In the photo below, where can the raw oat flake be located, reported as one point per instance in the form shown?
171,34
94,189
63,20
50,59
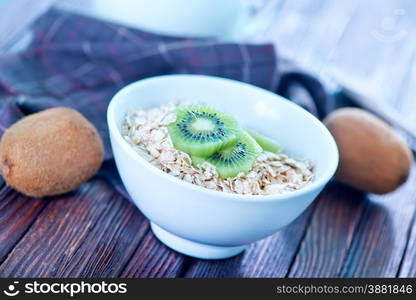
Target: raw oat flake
145,130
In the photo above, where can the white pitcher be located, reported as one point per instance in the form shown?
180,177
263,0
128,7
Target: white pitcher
224,19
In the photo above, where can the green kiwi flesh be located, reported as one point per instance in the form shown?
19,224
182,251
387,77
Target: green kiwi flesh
202,130
234,159
197,160
265,143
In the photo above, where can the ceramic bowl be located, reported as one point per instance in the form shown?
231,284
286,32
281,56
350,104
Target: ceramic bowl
206,223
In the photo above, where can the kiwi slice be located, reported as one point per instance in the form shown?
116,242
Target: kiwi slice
234,159
197,160
202,130
264,142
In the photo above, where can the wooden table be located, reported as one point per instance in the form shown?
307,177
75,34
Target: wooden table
95,232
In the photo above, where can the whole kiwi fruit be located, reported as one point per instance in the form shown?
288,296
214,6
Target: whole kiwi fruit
51,152
373,158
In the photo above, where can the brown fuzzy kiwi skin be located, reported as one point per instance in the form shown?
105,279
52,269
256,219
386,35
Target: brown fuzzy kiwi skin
50,153
373,158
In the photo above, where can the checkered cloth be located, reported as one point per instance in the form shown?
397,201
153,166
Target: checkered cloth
81,62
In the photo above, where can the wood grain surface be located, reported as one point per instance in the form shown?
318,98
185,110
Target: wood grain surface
153,259
382,237
92,232
408,267
270,257
330,233
95,232
17,213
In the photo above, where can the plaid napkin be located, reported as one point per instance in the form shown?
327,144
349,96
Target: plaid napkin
81,62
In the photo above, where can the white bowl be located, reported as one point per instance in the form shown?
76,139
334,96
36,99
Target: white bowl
206,223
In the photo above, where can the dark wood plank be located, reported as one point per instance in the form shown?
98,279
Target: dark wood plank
382,235
330,233
408,266
95,232
17,213
270,257
90,233
153,259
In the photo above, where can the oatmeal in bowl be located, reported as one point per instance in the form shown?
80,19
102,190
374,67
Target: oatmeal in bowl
146,130
208,184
